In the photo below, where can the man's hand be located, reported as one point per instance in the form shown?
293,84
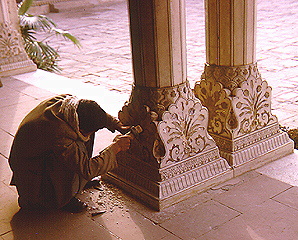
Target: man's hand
121,143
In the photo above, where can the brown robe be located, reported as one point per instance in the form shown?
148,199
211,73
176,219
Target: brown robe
50,159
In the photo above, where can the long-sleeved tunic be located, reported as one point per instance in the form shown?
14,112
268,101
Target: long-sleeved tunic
50,158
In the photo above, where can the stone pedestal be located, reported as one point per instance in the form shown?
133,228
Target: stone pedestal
13,58
240,119
174,157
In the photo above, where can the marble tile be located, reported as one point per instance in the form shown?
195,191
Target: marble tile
13,83
5,143
288,198
35,92
9,96
252,193
267,221
131,225
170,238
11,116
8,207
172,211
57,225
7,236
110,101
199,220
284,169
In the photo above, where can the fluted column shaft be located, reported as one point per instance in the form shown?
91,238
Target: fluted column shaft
230,32
158,42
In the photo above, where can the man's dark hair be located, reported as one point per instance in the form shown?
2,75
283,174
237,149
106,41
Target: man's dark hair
91,116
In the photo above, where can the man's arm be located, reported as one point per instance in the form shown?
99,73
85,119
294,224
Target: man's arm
74,155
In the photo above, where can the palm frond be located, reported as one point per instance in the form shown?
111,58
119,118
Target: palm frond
24,6
47,50
28,35
43,55
66,35
39,22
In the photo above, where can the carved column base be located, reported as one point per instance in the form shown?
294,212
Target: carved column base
16,65
13,58
251,152
240,121
184,179
174,157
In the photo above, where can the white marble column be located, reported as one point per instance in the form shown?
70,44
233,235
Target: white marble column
13,58
238,99
174,156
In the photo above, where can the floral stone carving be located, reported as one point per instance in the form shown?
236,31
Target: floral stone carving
239,102
218,101
13,58
183,130
252,103
9,41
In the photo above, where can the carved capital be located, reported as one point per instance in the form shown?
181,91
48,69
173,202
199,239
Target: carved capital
230,77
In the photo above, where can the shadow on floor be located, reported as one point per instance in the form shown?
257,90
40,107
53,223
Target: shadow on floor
55,225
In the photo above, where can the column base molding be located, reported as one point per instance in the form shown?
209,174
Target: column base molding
175,187
259,153
15,68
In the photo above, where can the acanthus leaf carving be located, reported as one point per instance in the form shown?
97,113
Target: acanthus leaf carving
145,107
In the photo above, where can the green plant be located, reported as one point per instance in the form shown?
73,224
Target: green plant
39,51
293,134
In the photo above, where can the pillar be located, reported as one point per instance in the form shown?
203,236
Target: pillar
231,87
174,156
13,58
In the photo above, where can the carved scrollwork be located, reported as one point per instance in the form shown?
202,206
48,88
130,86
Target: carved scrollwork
159,99
183,130
217,100
148,146
9,41
145,107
